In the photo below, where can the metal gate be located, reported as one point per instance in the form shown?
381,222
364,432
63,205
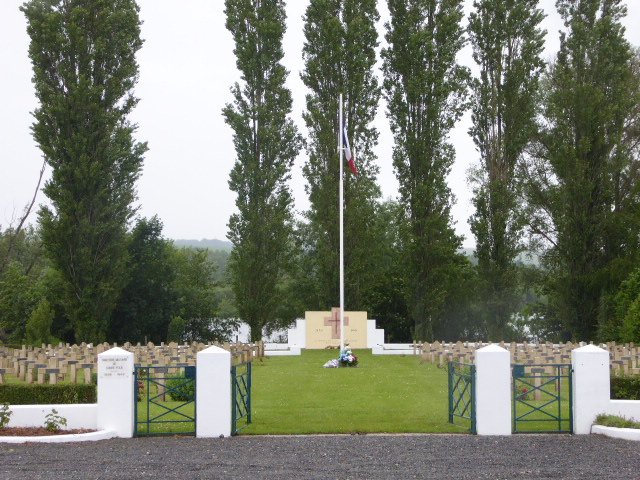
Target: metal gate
462,396
166,400
240,396
542,399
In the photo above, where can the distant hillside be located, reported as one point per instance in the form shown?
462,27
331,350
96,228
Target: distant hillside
524,258
211,244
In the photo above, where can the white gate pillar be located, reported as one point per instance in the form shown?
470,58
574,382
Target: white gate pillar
213,392
493,391
116,392
591,386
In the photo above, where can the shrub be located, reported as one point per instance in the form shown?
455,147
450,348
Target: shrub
54,422
25,394
182,388
5,415
625,388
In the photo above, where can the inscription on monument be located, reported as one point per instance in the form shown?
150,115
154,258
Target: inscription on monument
114,367
323,329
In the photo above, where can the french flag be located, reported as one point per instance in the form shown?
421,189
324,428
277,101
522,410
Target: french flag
347,152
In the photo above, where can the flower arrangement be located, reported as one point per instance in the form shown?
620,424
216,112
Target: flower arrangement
347,358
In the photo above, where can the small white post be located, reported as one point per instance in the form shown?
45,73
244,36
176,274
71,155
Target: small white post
493,391
591,386
213,393
116,392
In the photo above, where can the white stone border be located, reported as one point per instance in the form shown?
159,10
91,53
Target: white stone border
615,432
62,438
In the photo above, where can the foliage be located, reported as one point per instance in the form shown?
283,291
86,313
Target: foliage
507,44
17,300
266,143
581,176
616,421
386,295
195,292
426,93
54,422
149,297
33,394
166,282
182,388
38,328
339,56
23,247
83,57
522,392
625,387
176,330
627,309
5,415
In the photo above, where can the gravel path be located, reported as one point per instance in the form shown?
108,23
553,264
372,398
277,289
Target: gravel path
328,457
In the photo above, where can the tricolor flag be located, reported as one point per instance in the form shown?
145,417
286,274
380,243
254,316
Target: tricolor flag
347,152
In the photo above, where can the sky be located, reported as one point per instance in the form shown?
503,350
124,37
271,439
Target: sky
186,69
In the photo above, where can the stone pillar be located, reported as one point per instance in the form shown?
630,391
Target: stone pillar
493,391
115,392
591,386
213,392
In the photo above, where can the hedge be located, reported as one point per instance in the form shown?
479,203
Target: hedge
625,388
31,394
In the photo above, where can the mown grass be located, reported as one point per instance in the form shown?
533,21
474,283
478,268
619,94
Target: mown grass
394,394
545,414
165,418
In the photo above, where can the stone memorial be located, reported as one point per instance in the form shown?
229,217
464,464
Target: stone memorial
323,329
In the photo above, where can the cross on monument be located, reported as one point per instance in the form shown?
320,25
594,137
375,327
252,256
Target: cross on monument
334,322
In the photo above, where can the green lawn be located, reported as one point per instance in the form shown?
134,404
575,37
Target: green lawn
165,418
544,414
295,395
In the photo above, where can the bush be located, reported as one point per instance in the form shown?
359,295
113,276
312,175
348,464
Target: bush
625,388
25,394
5,415
182,388
54,422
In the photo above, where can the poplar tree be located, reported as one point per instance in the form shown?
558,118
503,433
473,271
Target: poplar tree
507,44
266,143
426,90
582,175
83,57
339,56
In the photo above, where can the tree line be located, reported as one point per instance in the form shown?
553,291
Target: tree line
168,293
556,176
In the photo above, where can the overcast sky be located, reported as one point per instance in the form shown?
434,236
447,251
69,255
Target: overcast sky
186,69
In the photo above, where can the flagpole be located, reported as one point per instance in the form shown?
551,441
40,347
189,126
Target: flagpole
341,210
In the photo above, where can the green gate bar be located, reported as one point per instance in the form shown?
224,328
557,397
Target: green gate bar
542,401
462,395
240,396
165,402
